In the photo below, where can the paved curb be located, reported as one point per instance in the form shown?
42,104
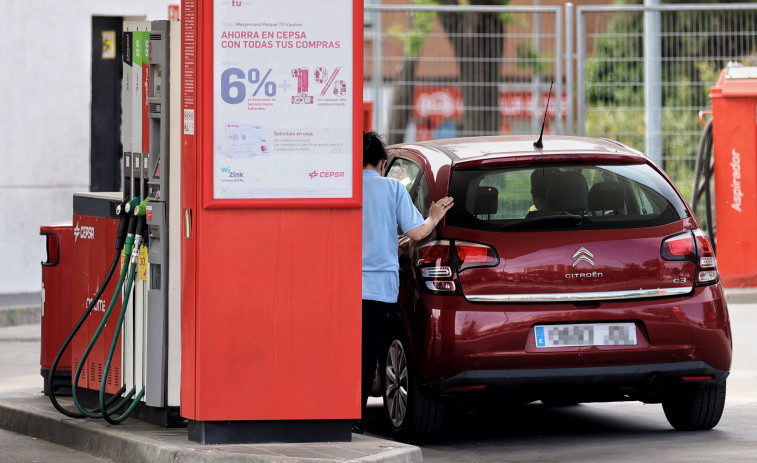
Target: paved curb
20,309
20,316
32,415
741,295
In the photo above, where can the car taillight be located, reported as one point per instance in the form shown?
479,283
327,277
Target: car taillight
694,247
434,261
679,247
474,255
707,271
438,268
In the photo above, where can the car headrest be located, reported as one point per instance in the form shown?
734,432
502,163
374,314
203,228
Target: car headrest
568,192
607,196
486,200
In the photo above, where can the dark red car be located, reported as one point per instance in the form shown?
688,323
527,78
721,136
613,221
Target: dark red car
570,273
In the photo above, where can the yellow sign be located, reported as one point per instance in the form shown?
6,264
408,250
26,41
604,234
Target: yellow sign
143,263
109,44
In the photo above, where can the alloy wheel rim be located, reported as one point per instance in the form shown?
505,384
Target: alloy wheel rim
396,383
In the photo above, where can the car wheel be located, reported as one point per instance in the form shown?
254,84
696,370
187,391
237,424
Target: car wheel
412,414
697,408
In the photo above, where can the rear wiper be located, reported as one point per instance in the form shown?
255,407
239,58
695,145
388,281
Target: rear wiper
546,221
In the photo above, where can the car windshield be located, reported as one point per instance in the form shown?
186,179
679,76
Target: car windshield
563,197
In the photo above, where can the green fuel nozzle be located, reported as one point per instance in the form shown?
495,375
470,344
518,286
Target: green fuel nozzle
141,209
132,204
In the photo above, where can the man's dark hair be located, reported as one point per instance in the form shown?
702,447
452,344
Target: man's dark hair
374,150
539,183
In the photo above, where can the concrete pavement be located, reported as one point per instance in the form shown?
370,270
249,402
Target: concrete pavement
34,431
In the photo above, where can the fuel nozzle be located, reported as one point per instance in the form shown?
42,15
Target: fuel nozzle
141,208
131,205
123,225
139,212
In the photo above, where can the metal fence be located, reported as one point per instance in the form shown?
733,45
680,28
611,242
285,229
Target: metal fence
637,74
647,72
437,72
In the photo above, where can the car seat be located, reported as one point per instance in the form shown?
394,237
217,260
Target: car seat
568,192
607,198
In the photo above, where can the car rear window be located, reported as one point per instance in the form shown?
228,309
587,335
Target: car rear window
563,197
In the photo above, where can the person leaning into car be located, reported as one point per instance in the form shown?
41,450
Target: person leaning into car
386,205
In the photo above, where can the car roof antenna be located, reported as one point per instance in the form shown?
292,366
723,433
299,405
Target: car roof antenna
538,142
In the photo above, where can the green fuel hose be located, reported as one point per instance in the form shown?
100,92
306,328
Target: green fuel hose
139,211
127,251
131,251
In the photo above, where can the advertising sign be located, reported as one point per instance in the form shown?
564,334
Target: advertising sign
283,95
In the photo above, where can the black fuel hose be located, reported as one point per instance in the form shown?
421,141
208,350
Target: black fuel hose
124,224
702,180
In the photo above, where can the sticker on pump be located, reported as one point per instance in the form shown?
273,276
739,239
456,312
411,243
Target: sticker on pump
149,213
143,263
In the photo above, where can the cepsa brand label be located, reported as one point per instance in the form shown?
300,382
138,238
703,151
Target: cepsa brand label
84,232
99,306
325,174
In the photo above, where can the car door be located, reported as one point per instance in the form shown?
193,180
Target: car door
410,174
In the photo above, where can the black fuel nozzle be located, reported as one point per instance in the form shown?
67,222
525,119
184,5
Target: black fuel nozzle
132,225
123,223
146,232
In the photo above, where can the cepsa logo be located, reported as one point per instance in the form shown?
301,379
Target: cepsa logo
326,174
84,232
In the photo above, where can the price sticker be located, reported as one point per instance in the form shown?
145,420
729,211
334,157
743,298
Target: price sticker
143,263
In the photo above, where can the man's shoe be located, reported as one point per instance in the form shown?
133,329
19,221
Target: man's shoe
358,426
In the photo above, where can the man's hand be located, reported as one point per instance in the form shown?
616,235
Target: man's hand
439,208
435,214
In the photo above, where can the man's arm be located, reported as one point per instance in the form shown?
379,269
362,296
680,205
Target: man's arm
435,214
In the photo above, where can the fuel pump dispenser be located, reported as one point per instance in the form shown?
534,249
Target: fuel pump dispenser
130,352
734,139
237,312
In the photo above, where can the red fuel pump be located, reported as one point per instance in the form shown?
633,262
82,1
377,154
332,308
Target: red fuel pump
734,133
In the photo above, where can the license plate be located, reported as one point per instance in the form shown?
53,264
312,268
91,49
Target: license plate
590,334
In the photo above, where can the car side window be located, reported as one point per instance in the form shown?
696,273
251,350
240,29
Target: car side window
411,175
405,171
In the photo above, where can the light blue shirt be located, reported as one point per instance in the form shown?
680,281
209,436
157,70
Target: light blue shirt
386,205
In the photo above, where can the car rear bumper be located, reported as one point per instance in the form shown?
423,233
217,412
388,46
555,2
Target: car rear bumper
585,383
456,337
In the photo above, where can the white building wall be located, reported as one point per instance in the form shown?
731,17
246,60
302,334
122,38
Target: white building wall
45,85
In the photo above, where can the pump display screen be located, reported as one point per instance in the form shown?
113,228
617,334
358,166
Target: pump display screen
283,100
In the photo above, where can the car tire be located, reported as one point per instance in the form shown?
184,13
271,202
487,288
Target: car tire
695,408
413,415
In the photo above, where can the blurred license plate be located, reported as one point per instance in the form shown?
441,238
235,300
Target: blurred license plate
593,334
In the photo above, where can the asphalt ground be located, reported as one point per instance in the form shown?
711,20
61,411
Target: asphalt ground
32,431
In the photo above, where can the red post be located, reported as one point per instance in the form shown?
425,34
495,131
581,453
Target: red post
271,276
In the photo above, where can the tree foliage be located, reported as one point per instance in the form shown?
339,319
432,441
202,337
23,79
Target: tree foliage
695,45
